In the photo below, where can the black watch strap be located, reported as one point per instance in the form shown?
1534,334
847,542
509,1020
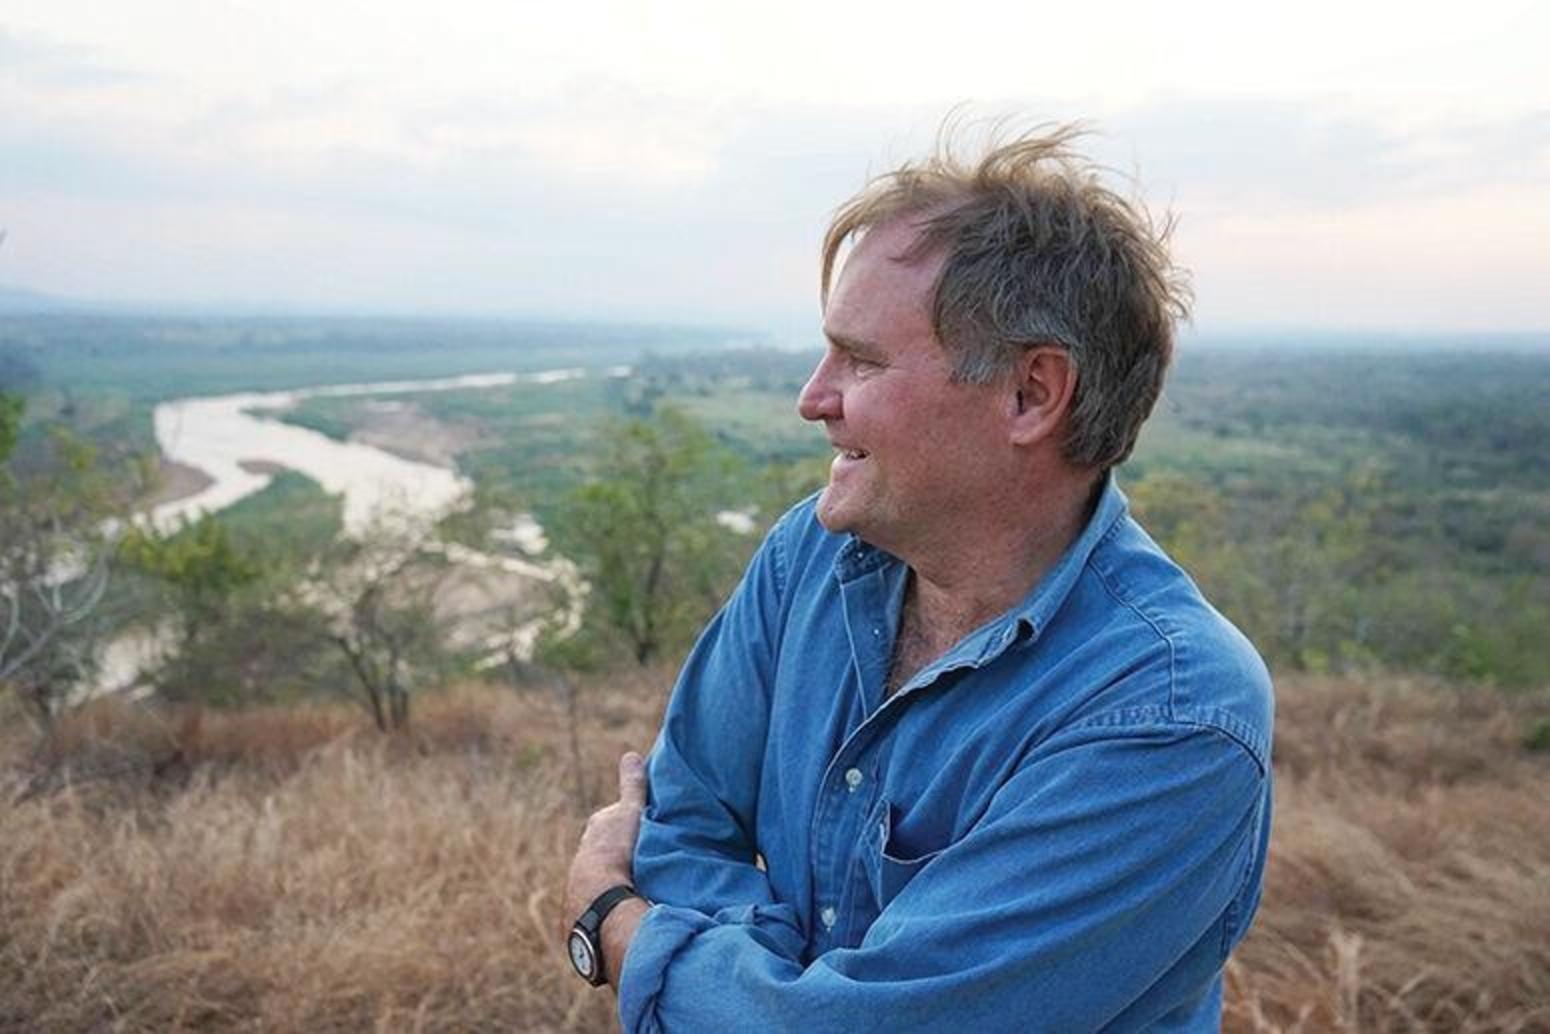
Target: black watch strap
588,958
592,919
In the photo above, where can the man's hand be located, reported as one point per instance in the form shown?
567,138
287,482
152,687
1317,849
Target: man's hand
604,859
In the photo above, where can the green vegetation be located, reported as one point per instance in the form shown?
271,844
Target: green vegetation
200,566
1538,736
292,520
746,398
377,595
535,442
11,410
225,606
1352,511
56,507
253,617
103,374
644,532
1361,510
524,441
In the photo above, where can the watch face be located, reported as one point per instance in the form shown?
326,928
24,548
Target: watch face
581,955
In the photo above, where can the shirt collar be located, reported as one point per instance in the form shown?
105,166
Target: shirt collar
1037,609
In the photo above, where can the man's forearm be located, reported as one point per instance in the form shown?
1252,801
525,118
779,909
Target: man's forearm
602,861
617,933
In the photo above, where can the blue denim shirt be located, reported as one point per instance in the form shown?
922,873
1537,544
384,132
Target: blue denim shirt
1059,825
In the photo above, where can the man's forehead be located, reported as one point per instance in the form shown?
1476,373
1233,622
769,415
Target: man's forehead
899,239
884,296
887,259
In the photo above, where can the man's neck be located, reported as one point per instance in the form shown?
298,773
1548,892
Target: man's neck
972,576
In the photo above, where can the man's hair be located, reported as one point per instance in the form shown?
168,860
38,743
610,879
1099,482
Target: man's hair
1038,252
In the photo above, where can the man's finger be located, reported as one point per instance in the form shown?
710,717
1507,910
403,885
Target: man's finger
632,780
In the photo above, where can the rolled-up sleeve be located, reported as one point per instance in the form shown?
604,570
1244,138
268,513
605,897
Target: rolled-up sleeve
1117,848
697,847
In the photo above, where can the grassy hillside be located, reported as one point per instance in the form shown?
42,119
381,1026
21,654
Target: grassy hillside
287,870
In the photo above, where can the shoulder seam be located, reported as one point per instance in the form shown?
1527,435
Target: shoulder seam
1153,718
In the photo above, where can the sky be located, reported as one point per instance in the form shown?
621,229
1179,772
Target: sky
1339,166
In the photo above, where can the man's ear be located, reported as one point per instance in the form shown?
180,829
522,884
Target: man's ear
1043,387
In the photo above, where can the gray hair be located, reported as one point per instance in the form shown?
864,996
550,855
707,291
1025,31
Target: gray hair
1038,252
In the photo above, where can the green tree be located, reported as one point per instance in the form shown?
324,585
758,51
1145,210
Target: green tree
201,565
241,627
56,519
645,535
1187,517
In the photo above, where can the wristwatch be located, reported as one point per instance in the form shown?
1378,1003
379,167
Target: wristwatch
585,943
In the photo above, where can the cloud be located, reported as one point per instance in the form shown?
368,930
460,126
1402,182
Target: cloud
57,66
605,196
1320,154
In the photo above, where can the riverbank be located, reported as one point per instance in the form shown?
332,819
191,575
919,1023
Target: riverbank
174,483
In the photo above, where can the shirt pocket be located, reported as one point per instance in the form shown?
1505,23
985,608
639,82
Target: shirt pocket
887,872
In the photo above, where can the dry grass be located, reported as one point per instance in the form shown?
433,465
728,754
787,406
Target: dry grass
291,870
1409,879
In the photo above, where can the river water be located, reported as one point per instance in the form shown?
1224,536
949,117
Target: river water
224,435
219,433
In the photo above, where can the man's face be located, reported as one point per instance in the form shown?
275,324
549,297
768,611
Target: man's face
916,451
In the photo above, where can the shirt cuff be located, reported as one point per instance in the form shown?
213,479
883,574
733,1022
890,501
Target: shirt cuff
665,930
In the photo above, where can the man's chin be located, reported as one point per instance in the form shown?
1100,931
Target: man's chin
840,518
830,512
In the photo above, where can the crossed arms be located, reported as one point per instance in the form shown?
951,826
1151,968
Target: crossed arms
1101,885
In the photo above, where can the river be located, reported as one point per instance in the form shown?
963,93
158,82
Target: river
235,439
222,435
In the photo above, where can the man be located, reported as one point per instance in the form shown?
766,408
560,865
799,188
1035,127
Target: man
965,750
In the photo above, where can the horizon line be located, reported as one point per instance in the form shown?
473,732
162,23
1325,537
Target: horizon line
25,302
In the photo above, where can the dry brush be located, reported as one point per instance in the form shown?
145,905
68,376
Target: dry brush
288,869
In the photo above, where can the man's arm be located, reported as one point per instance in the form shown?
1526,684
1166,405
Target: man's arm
1099,868
698,841
696,845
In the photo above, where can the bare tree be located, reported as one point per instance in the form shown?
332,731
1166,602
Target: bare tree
380,590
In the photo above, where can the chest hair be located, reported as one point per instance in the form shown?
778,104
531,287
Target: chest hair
914,647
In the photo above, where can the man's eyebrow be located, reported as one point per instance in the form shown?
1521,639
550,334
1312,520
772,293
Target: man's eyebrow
850,344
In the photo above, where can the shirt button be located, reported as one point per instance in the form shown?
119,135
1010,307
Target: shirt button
853,779
828,916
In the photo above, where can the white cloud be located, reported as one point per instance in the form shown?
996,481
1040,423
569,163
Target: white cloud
679,159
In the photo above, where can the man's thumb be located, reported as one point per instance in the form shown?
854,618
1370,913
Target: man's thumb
632,779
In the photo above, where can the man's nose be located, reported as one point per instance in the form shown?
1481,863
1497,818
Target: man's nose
820,399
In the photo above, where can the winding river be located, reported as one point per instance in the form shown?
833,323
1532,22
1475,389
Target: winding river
222,435
233,439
